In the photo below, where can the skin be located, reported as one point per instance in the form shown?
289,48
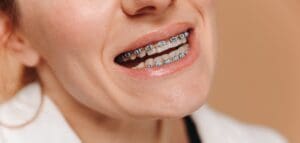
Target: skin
72,44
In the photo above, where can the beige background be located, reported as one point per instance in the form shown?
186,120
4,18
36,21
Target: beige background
258,73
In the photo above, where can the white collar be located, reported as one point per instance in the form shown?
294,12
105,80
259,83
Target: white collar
49,126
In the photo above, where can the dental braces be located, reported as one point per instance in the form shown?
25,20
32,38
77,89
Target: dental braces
170,60
159,47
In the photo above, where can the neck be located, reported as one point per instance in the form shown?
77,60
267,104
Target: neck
93,127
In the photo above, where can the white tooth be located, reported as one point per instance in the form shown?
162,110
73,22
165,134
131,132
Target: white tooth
132,57
162,46
186,34
166,59
150,50
160,49
182,36
137,51
127,55
158,61
175,41
184,40
173,53
176,58
181,54
142,54
183,48
176,55
149,63
139,66
171,45
186,49
182,51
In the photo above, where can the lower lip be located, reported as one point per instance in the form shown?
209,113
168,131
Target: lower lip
168,69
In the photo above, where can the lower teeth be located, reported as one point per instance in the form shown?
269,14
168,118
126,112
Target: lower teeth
172,57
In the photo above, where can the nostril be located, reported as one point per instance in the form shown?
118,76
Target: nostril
145,10
145,7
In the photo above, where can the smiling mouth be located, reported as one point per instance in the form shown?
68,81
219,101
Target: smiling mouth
156,54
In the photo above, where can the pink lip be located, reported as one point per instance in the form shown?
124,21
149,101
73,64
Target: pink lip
159,35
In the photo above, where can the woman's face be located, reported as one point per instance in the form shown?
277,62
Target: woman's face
84,43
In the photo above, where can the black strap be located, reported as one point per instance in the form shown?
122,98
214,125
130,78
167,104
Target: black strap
192,130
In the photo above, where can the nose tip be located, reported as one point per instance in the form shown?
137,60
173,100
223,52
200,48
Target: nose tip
140,7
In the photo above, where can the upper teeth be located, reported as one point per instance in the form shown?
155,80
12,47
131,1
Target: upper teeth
158,47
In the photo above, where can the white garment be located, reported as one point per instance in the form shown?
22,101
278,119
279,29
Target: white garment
51,127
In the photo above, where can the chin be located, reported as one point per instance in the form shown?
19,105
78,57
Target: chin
176,101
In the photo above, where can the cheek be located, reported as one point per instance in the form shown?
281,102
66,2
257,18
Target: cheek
67,28
69,38
204,3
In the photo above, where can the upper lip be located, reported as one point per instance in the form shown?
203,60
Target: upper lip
158,35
